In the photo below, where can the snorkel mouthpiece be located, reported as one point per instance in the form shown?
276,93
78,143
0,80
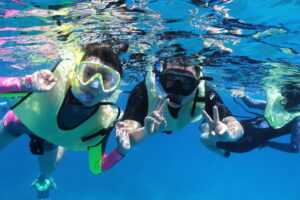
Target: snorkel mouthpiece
174,99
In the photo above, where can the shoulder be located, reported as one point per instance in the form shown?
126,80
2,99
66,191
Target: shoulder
211,94
139,91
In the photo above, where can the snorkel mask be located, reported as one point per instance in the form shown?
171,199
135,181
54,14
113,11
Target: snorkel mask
97,76
93,81
177,84
179,81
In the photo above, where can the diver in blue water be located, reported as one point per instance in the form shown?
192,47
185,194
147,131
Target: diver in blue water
73,107
281,117
173,95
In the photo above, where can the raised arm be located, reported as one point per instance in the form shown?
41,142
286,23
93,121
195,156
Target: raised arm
99,161
251,103
219,117
39,81
12,84
136,115
254,103
219,124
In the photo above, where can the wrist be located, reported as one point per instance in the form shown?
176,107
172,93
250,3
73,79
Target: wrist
118,153
26,83
268,144
227,154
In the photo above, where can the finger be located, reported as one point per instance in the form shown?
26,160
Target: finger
50,86
118,132
204,128
162,108
51,78
149,122
207,117
149,119
126,141
156,126
156,103
120,125
120,135
44,73
216,114
157,116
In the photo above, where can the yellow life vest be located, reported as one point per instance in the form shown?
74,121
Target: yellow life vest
275,113
39,112
184,116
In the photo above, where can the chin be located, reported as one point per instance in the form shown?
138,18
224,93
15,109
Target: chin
89,103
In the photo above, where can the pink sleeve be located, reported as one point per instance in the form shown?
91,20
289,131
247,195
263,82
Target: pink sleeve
10,117
10,84
109,160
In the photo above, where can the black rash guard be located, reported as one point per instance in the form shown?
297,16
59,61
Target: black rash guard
137,105
257,132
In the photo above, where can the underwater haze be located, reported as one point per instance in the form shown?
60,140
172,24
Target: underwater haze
242,44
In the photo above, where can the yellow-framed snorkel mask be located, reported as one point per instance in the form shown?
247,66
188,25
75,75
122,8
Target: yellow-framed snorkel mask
97,76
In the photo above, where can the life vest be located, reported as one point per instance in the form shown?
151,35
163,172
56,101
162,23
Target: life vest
275,113
39,113
188,113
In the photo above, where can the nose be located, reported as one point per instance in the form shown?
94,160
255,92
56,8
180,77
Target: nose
95,84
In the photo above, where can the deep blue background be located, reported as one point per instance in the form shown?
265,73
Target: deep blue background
173,166
176,166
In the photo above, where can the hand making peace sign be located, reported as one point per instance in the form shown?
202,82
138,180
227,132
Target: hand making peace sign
155,121
216,127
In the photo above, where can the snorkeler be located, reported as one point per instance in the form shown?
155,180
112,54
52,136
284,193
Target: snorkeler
179,83
72,108
281,117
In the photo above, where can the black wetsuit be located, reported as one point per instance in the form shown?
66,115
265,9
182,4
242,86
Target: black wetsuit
258,132
137,105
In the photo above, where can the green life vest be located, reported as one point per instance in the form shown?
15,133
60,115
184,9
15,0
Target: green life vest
275,113
39,112
184,116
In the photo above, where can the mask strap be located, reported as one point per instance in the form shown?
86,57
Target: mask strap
157,66
206,78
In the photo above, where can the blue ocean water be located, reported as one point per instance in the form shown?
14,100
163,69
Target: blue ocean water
242,41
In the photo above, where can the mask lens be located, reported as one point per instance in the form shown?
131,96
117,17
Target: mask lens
178,84
89,73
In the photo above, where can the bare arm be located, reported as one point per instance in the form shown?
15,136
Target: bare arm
39,81
227,130
210,144
153,123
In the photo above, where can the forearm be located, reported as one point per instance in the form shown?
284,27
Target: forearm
138,135
210,143
15,84
286,147
235,129
109,160
293,146
254,103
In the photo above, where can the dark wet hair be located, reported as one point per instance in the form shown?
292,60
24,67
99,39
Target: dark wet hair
108,52
182,60
291,92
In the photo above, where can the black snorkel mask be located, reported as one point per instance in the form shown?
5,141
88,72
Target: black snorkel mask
177,81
